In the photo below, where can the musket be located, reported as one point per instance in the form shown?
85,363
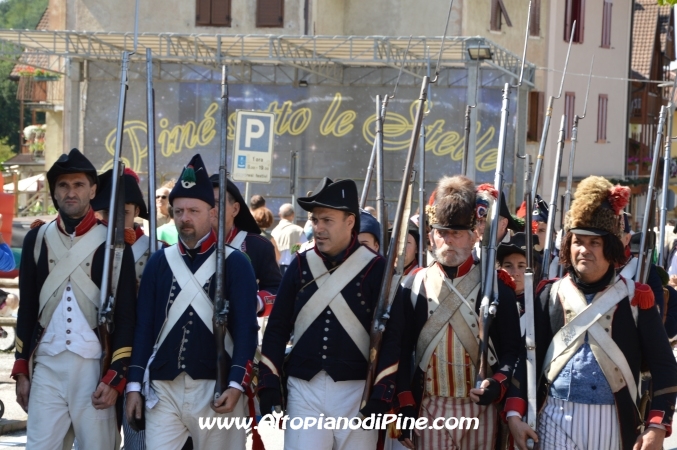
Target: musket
150,132
381,214
115,232
530,333
221,304
648,239
421,202
466,129
547,245
548,116
490,299
396,248
572,154
372,159
666,179
422,247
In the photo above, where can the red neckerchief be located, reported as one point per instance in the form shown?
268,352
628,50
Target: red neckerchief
412,266
231,234
206,244
83,227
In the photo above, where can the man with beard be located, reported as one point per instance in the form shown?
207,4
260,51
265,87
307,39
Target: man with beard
174,357
61,273
594,330
443,303
327,299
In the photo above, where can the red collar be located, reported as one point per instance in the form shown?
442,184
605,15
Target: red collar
138,231
83,227
205,246
231,234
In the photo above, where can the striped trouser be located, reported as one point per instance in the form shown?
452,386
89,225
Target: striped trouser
482,438
133,440
575,426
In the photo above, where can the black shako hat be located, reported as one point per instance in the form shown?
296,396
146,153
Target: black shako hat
73,162
193,183
340,195
132,192
517,244
244,220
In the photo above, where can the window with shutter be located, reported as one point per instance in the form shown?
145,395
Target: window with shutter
498,11
602,109
535,24
606,24
269,13
536,115
574,10
569,105
212,13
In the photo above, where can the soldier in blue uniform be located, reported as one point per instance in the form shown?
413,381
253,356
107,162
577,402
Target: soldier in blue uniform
174,360
244,234
327,299
58,317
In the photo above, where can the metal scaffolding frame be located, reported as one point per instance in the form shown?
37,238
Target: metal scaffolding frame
316,59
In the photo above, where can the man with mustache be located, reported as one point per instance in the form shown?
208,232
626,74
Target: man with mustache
174,357
56,333
327,299
442,303
594,331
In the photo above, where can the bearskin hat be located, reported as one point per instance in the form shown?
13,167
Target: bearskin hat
597,208
454,204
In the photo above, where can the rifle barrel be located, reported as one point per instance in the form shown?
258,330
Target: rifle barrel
665,188
150,128
547,247
644,252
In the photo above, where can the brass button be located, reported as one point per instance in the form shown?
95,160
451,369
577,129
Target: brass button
68,331
68,342
68,288
68,320
69,309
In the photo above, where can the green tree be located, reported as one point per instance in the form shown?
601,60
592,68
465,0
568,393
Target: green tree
18,14
667,2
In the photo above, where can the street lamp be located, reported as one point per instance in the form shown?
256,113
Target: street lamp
479,52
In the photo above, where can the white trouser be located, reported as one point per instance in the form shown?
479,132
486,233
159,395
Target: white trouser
322,395
61,395
563,425
176,416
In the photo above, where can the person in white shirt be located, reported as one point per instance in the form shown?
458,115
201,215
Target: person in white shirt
288,236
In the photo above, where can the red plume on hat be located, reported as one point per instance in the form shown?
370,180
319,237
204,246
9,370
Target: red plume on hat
133,174
619,197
